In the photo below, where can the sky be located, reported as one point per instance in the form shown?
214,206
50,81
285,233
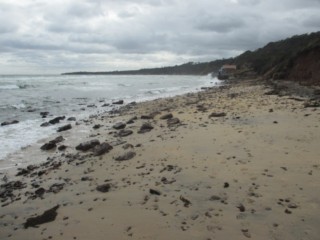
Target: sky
51,37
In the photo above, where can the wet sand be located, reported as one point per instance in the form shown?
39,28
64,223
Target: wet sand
226,163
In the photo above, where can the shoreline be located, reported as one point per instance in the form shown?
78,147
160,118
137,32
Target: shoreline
232,162
30,117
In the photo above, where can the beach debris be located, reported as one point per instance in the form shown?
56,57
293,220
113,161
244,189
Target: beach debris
64,128
119,125
119,102
146,127
186,202
48,216
9,122
85,146
126,156
154,192
217,114
102,149
166,116
103,188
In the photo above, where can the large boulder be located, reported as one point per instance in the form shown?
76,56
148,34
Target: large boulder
85,146
119,125
102,149
146,127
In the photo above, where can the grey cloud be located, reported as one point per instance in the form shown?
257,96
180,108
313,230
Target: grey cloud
221,24
113,34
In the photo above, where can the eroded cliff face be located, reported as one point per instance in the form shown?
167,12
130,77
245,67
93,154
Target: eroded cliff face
306,68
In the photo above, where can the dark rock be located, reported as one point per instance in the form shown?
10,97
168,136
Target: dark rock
91,105
9,122
56,187
35,185
287,211
166,116
52,144
221,114
103,188
22,172
105,105
56,120
86,178
85,146
72,119
39,192
131,120
119,125
226,185
124,133
185,201
96,126
173,121
154,192
45,124
126,156
146,117
120,102
48,216
58,139
292,205
146,127
48,146
102,149
241,208
64,128
127,146
62,147
44,114
215,198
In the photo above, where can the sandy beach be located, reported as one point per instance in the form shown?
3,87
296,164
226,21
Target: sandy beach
231,162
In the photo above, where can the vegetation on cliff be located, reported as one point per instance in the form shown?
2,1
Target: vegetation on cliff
296,58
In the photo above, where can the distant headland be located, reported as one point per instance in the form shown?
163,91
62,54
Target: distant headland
295,58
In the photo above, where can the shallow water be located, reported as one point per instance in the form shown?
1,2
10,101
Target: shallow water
23,98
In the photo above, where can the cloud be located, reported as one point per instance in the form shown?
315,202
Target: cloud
56,36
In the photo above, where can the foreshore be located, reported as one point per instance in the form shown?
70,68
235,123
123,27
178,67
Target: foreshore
232,162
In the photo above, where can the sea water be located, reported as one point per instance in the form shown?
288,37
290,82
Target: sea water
23,98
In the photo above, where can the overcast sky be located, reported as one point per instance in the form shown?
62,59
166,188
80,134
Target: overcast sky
41,36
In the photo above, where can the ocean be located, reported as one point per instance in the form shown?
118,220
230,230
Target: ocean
24,98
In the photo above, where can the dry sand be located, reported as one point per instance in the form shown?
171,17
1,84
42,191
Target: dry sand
252,172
